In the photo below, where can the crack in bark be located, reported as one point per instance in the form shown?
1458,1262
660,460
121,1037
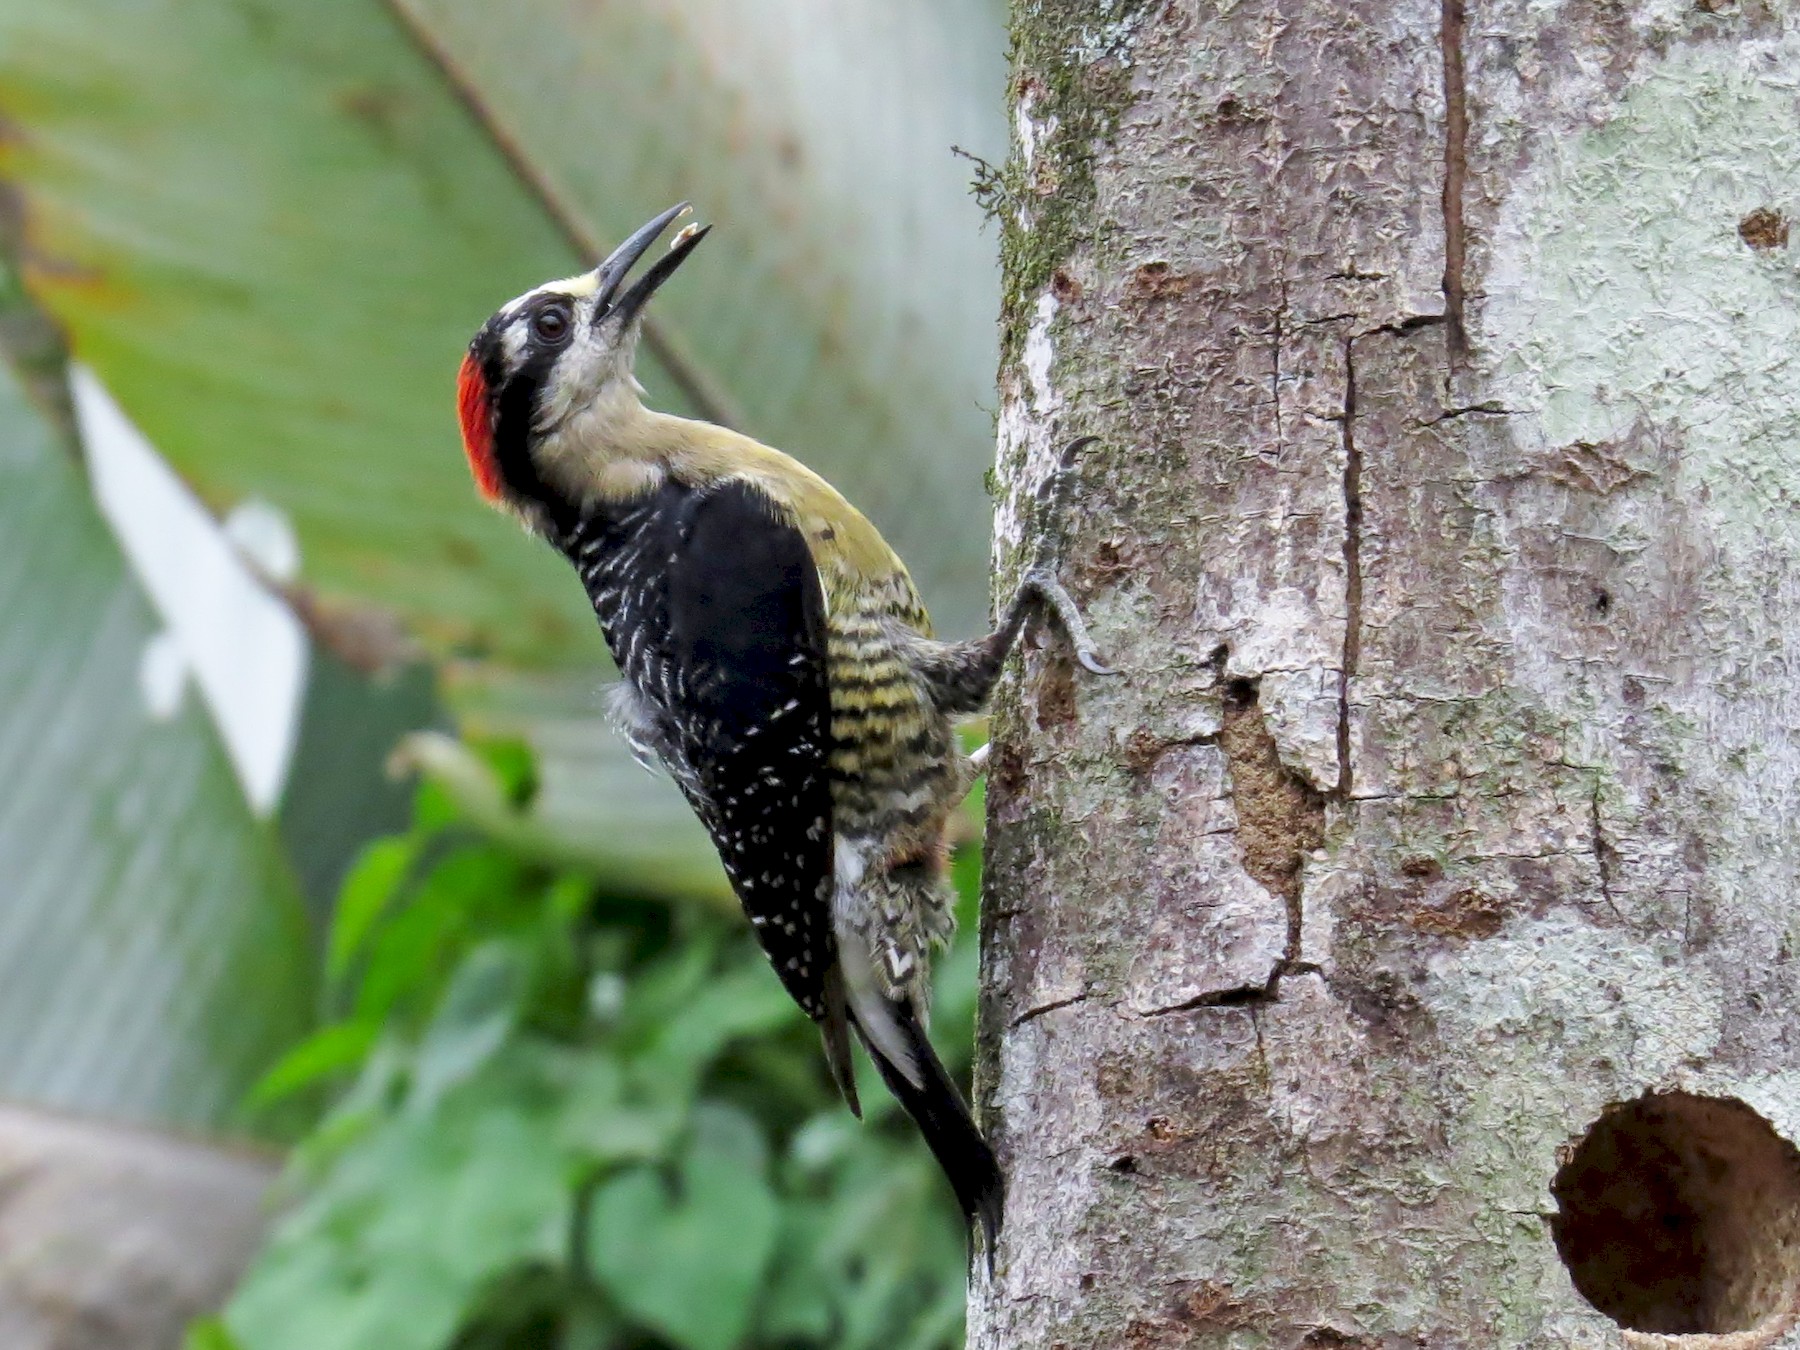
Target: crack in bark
1032,1014
1411,323
1244,995
1247,995
1275,379
1353,522
1472,410
710,402
1456,136
1352,570
1603,854
1144,749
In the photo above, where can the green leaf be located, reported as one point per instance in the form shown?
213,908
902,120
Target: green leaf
414,1218
539,1307
477,1013
882,1237
413,951
797,1305
731,1134
511,762
209,1333
156,957
602,1129
372,885
329,1050
688,1261
744,1001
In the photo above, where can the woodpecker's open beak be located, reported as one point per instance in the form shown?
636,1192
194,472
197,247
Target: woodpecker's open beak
611,274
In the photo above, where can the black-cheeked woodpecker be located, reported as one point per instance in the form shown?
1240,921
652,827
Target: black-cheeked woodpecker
776,661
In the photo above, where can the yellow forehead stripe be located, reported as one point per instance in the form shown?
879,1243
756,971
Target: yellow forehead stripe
576,288
579,288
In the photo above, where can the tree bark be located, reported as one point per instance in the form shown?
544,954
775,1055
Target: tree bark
1401,952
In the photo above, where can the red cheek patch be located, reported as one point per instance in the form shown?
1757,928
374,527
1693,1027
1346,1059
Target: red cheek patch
477,428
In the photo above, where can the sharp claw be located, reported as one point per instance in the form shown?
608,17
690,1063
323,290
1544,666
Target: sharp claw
1074,448
1090,662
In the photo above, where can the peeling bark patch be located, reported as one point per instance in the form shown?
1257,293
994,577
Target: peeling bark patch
1155,281
1764,229
1056,697
1605,467
1329,1338
1006,773
1281,817
1680,1214
1065,287
1421,868
1110,562
1142,749
1465,913
1203,1306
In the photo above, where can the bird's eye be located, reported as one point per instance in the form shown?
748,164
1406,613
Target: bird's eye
551,324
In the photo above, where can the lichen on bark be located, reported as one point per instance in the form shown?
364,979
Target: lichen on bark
1069,85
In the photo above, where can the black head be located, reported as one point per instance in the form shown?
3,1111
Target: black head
556,355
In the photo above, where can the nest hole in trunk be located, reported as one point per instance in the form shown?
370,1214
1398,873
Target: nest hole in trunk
1680,1215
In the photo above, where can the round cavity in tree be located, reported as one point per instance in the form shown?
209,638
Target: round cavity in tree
1680,1214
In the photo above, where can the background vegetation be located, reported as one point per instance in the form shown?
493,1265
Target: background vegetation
582,1119
543,1090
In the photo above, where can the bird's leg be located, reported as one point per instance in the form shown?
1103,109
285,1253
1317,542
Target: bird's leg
1040,588
962,674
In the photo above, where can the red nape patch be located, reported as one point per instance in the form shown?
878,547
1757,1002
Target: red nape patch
477,428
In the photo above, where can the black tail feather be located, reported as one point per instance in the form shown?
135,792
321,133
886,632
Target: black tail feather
834,1028
950,1131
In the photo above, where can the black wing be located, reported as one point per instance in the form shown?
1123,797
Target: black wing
712,607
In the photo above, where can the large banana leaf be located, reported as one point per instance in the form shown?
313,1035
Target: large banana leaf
271,227
153,955
845,306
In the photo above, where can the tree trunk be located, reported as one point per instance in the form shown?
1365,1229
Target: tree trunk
1401,952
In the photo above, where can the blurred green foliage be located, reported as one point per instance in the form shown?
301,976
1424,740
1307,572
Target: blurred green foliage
566,1120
